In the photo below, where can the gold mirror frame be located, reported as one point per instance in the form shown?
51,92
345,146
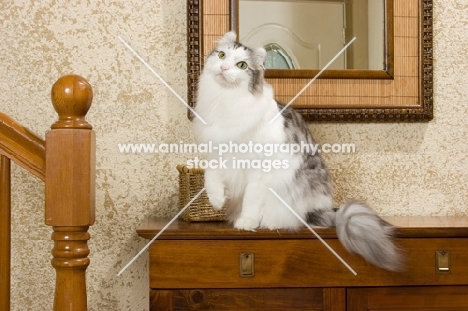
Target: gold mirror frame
408,97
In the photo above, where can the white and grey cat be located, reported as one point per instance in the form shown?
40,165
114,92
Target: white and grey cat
237,104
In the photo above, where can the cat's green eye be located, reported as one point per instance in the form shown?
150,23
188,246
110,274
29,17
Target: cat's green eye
221,55
242,65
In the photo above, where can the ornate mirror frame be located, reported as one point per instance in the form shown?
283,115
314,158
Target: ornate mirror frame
405,98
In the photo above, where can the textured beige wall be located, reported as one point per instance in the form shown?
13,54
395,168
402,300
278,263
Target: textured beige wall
406,169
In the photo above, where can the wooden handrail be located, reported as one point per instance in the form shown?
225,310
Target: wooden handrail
66,162
22,146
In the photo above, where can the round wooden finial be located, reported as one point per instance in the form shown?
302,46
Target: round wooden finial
71,97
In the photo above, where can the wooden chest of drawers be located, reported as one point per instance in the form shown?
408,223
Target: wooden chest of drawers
211,266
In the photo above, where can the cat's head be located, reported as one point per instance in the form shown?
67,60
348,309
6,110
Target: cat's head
235,65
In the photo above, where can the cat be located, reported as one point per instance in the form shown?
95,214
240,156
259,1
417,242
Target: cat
237,105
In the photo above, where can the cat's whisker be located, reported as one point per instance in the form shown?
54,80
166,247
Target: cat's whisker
313,231
160,78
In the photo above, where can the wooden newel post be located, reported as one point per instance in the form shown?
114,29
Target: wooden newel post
70,189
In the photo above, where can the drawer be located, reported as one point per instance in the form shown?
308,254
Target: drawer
434,298
289,299
290,263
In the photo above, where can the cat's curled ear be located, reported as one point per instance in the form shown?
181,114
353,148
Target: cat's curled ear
228,38
259,57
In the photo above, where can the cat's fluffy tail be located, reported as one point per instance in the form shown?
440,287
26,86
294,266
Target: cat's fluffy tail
363,232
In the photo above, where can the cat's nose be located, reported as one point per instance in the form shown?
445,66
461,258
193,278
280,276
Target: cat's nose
224,67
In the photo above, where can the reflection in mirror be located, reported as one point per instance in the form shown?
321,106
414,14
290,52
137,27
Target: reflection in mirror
305,34
277,57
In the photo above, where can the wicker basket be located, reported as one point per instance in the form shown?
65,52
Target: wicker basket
191,181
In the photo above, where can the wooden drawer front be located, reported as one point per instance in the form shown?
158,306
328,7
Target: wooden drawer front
300,299
296,263
436,298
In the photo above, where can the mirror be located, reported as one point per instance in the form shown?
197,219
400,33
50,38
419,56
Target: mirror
400,91
301,36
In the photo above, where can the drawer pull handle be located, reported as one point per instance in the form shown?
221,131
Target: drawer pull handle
442,262
246,265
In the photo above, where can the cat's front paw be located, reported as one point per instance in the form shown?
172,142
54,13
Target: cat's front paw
217,202
217,199
245,223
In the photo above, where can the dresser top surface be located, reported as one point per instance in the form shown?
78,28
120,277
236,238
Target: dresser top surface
406,227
